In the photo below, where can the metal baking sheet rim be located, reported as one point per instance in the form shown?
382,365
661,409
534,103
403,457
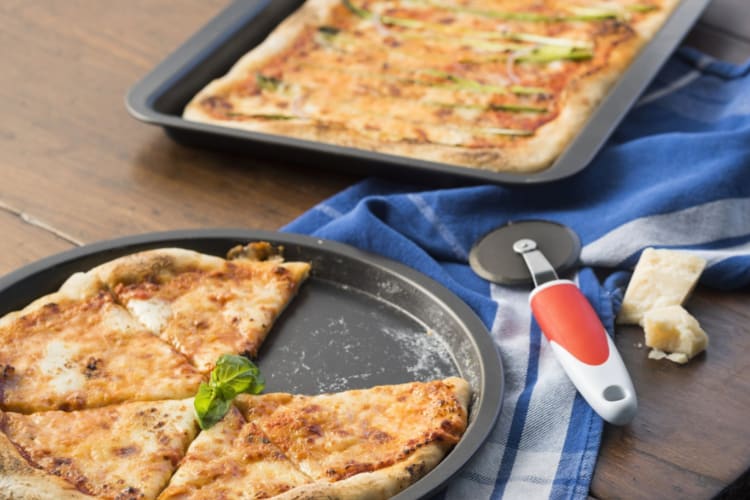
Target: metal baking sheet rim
20,287
575,158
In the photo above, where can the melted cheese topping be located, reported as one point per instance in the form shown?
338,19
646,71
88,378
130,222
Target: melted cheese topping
429,72
126,451
153,313
334,436
233,459
58,364
86,353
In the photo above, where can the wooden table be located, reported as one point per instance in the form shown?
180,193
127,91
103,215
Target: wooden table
76,168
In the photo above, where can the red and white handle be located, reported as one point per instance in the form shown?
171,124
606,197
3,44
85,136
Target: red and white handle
585,351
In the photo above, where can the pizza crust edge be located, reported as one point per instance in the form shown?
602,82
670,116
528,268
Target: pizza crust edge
21,481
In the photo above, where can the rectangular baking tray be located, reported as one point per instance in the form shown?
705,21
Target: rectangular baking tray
162,94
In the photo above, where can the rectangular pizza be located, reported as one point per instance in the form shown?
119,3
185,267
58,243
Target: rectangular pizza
500,85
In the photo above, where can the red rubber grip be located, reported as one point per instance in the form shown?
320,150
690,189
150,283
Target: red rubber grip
567,318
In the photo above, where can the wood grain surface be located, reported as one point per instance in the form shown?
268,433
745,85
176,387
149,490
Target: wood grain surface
76,168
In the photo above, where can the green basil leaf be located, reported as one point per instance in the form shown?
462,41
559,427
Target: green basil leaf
233,375
209,406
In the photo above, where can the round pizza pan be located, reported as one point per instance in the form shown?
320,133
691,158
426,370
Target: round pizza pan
359,321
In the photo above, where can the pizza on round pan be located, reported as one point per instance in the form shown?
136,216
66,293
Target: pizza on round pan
100,383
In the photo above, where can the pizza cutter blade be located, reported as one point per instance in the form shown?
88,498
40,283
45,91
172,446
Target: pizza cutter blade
517,253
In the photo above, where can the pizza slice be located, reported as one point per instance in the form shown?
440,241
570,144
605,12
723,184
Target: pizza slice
203,305
233,459
371,442
125,452
77,348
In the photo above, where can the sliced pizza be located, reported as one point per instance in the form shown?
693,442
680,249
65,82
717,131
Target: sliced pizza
124,452
363,443
96,382
233,459
77,348
206,306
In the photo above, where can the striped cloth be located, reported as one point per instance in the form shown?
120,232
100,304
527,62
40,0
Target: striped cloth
675,174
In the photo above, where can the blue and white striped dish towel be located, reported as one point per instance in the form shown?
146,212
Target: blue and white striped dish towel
675,174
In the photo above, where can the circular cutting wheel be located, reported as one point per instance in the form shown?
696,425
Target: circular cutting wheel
494,259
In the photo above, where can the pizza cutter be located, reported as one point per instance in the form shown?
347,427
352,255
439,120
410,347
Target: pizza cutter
535,250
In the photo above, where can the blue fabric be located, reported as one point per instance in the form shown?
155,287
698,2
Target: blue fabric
676,174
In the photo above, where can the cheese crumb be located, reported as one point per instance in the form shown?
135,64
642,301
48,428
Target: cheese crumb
656,354
676,331
661,278
677,357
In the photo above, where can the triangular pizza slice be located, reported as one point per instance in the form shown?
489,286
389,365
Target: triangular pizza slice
203,305
372,442
77,348
233,459
125,452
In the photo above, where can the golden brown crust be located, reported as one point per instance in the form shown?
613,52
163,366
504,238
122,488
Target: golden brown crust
377,485
21,481
587,83
155,266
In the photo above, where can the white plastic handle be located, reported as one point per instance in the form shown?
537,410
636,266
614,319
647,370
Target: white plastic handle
606,387
585,351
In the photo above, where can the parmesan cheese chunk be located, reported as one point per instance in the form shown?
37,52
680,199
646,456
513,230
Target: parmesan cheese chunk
661,278
676,331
